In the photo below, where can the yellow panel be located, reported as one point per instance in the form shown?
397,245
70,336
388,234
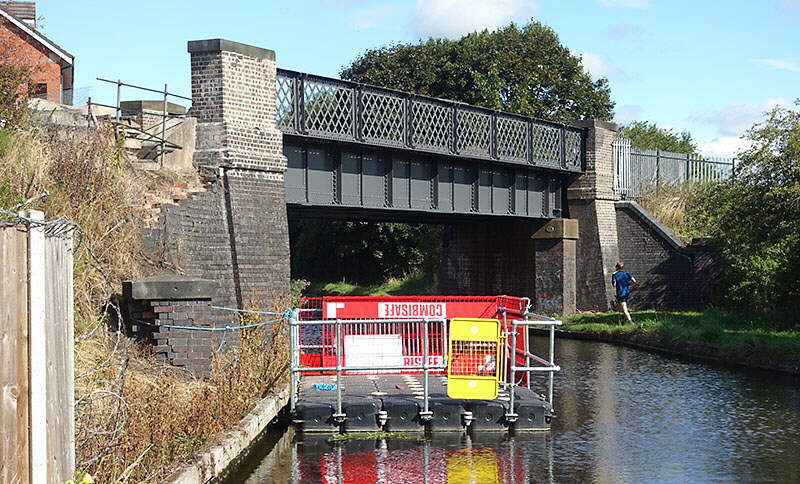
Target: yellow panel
473,329
477,388
474,364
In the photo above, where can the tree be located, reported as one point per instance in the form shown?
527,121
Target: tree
648,136
756,216
519,70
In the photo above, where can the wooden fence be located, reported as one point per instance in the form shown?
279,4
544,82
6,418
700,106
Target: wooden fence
37,421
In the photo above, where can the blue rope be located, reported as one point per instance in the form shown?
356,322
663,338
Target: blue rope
201,328
268,313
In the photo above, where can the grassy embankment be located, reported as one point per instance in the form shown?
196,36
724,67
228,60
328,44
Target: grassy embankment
416,283
726,335
135,417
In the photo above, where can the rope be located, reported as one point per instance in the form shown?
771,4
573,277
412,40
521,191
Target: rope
249,311
201,328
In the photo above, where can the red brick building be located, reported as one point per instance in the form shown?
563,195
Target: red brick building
22,44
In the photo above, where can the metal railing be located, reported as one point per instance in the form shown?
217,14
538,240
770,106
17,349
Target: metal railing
161,139
304,341
322,107
358,325
636,170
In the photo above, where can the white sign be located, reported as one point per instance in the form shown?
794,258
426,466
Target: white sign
412,310
373,350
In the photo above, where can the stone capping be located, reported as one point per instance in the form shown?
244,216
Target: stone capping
222,45
232,447
596,123
151,105
167,285
651,221
558,228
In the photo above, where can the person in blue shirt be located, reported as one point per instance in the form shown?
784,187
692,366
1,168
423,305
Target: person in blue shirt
621,281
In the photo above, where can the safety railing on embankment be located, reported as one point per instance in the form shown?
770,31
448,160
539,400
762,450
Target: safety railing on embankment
638,170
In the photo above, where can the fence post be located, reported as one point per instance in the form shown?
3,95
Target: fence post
164,126
658,169
37,352
688,164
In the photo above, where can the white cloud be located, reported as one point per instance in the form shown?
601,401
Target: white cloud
736,119
782,64
373,16
723,146
628,112
599,66
625,30
626,3
454,18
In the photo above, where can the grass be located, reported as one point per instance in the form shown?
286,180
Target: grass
723,333
341,438
135,417
674,205
415,284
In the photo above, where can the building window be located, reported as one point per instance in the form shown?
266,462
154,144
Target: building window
39,90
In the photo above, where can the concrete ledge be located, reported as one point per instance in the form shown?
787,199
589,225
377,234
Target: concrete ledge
155,106
215,461
596,123
167,285
222,45
558,228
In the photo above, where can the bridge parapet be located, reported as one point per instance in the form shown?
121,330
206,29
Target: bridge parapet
321,107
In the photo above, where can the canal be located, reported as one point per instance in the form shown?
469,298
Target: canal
623,415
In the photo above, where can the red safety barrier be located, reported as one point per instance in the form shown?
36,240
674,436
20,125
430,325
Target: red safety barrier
395,343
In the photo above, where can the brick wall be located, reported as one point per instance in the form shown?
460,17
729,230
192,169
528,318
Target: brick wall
591,200
184,348
670,275
488,257
501,257
233,230
17,47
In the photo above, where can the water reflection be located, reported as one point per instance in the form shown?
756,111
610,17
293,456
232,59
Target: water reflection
622,416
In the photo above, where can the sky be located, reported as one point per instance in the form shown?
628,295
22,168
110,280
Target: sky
710,67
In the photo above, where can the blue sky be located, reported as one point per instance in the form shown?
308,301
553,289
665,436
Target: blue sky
707,66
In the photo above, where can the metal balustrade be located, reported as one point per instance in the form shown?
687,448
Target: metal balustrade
320,107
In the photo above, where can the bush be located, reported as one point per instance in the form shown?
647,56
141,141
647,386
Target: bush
755,217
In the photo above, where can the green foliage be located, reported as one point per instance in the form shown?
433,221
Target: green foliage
416,283
645,135
756,217
15,89
733,333
361,252
523,70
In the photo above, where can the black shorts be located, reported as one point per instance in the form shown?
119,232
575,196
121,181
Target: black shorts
622,299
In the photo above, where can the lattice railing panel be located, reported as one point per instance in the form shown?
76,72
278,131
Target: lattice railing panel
331,108
512,139
573,147
285,106
328,108
546,145
383,117
474,132
433,127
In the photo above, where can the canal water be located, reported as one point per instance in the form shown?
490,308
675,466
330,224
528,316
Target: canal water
623,415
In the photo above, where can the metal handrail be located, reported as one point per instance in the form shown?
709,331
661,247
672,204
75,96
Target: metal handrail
339,415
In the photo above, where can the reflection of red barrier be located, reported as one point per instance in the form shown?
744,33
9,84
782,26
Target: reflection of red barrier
318,342
411,466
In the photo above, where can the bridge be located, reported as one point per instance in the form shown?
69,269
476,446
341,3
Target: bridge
363,149
512,193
